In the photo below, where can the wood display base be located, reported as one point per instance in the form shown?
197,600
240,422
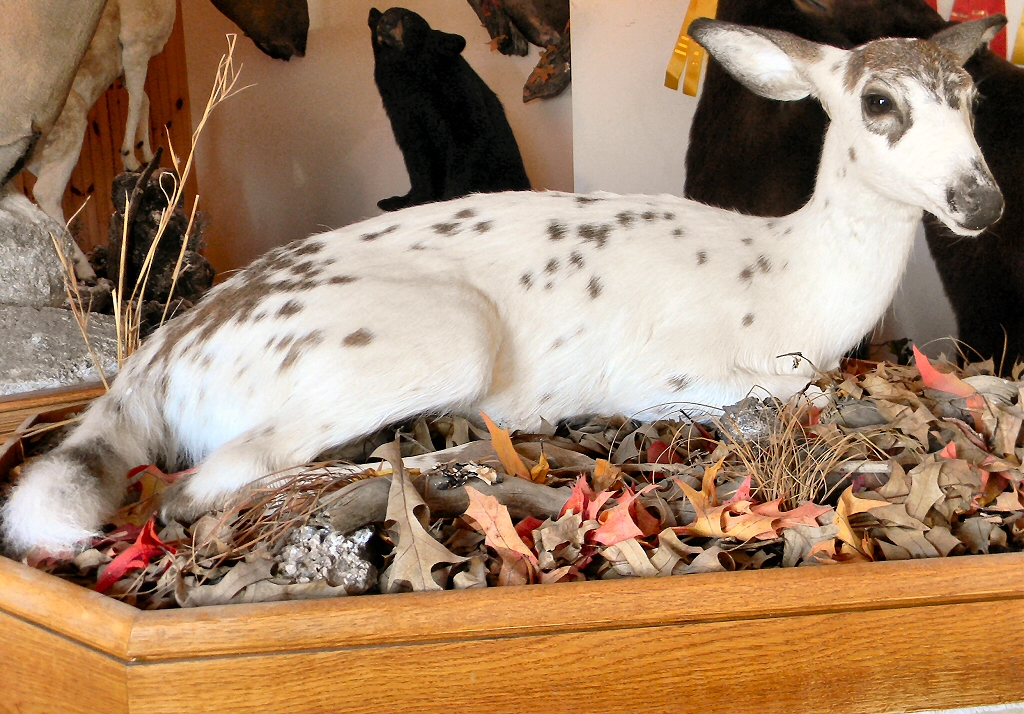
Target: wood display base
16,408
859,638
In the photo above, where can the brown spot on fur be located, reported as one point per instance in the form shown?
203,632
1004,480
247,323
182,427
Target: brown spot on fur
764,264
359,338
465,213
526,280
853,155
747,241
552,266
594,288
282,344
677,232
586,200
557,343
648,215
626,218
299,347
747,274
702,257
89,455
668,216
748,319
374,236
308,248
342,279
576,259
482,227
595,234
679,382
307,269
292,307
445,229
557,231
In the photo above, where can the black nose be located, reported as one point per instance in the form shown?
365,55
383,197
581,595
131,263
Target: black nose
977,198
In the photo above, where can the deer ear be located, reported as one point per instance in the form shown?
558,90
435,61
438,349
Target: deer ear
964,39
767,62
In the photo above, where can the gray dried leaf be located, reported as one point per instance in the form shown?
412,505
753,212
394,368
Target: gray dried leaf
629,558
896,515
474,577
671,552
913,541
238,578
944,541
712,560
894,552
416,552
798,541
924,490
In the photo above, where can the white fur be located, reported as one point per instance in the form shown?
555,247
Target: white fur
478,303
130,32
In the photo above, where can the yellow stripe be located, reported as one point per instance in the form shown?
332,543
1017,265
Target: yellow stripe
688,56
1018,45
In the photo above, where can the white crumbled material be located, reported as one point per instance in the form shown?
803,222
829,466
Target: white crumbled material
320,553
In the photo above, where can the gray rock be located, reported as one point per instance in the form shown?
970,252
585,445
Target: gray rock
42,348
750,420
321,553
30,272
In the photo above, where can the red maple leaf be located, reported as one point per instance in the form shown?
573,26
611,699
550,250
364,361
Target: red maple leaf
138,555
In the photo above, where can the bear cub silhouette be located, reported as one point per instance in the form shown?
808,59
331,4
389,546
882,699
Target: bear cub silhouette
450,126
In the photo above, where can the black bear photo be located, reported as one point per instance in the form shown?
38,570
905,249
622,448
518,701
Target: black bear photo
450,126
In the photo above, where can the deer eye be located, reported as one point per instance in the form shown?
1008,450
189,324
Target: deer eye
878,104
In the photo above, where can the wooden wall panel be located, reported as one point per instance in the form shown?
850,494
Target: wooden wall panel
167,86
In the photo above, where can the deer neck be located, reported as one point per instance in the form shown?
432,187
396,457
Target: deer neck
855,243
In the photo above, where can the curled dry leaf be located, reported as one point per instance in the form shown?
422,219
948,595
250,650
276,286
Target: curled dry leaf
417,552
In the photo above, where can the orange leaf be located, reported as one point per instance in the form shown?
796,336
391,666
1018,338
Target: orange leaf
502,444
708,522
493,521
748,525
948,451
539,473
939,381
847,506
616,523
605,475
708,482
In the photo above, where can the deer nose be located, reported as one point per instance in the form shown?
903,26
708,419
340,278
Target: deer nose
977,197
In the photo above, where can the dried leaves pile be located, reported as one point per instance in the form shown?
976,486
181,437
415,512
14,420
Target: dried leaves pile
885,463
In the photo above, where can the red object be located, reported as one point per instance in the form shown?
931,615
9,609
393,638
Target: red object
661,453
526,527
138,555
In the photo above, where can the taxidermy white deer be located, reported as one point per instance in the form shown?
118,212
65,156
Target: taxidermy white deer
130,32
529,305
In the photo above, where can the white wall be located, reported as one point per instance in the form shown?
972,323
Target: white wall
309,146
630,132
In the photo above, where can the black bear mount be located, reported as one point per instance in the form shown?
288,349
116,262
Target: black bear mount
450,126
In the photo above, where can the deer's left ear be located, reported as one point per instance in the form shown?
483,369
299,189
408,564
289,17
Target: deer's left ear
767,62
964,39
